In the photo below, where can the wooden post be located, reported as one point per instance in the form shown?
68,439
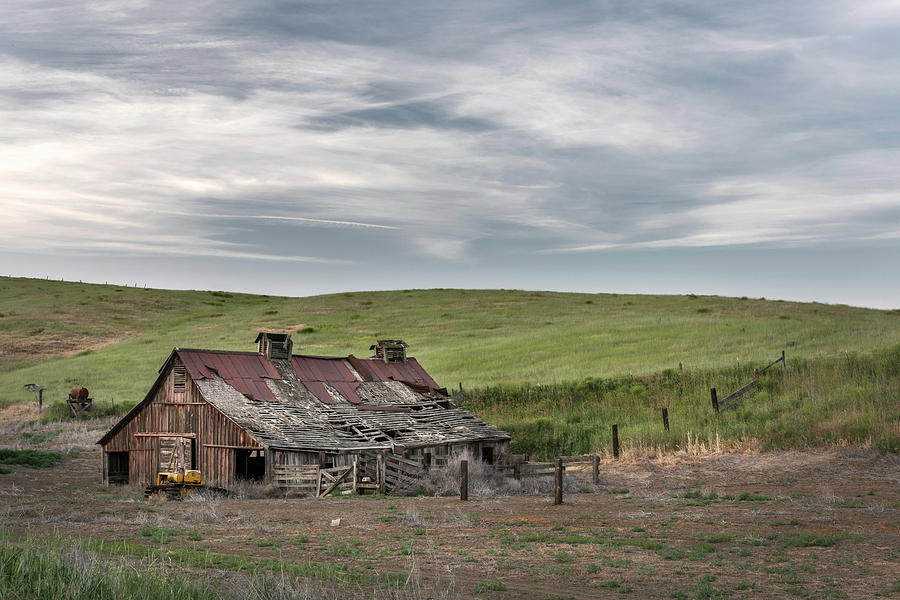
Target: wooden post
680,366
379,472
783,362
558,487
460,387
596,471
355,472
665,412
463,480
756,373
715,399
41,400
615,436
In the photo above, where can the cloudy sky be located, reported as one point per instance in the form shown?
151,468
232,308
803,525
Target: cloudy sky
288,147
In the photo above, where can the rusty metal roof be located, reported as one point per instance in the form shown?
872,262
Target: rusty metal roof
375,369
247,372
244,371
326,403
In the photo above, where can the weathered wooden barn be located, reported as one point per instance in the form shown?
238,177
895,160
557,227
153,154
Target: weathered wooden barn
311,422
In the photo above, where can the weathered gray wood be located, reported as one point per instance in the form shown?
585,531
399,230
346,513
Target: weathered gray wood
380,468
665,415
714,398
336,481
595,469
750,387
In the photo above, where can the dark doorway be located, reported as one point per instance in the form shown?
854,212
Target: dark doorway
117,467
250,465
487,454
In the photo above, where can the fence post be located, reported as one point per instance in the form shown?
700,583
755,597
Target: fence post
615,440
463,480
783,362
379,470
665,412
596,472
715,399
558,488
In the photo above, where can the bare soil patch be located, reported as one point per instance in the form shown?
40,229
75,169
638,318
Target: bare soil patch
33,349
810,524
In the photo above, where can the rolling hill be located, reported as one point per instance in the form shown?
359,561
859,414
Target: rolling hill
112,339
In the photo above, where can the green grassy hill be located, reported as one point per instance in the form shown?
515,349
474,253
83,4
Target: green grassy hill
112,339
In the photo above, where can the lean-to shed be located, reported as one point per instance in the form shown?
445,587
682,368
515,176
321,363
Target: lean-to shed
278,417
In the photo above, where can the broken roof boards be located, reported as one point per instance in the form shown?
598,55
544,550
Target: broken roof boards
294,404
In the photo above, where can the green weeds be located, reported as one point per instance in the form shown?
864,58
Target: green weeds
35,571
806,540
36,459
493,586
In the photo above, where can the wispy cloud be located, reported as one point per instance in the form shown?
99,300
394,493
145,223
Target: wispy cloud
465,137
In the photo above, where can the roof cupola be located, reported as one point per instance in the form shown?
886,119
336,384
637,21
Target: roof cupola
275,345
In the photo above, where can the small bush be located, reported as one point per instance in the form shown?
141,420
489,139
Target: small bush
36,459
494,586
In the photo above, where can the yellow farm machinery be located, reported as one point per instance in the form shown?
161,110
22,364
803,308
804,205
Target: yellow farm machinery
176,482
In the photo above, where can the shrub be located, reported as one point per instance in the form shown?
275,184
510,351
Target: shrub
37,459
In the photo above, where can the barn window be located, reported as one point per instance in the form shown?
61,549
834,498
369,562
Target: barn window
179,379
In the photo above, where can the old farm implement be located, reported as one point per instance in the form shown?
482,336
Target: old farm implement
79,402
177,482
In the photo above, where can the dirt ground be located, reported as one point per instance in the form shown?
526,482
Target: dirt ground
813,524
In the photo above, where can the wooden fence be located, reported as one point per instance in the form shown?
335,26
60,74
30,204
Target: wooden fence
385,473
317,481
525,470
747,391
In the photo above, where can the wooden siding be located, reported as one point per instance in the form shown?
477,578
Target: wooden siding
185,412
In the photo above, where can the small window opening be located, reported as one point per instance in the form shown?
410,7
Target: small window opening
179,378
487,455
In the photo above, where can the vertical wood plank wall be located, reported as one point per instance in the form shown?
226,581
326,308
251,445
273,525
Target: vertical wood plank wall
180,412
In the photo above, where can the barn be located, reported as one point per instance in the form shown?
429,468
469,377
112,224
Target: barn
316,423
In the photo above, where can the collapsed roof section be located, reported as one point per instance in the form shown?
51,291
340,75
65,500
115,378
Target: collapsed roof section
332,403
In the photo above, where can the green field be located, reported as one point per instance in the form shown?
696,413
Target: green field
497,343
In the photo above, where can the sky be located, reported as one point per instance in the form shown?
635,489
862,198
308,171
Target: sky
296,148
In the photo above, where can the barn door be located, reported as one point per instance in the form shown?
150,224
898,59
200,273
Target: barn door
185,448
